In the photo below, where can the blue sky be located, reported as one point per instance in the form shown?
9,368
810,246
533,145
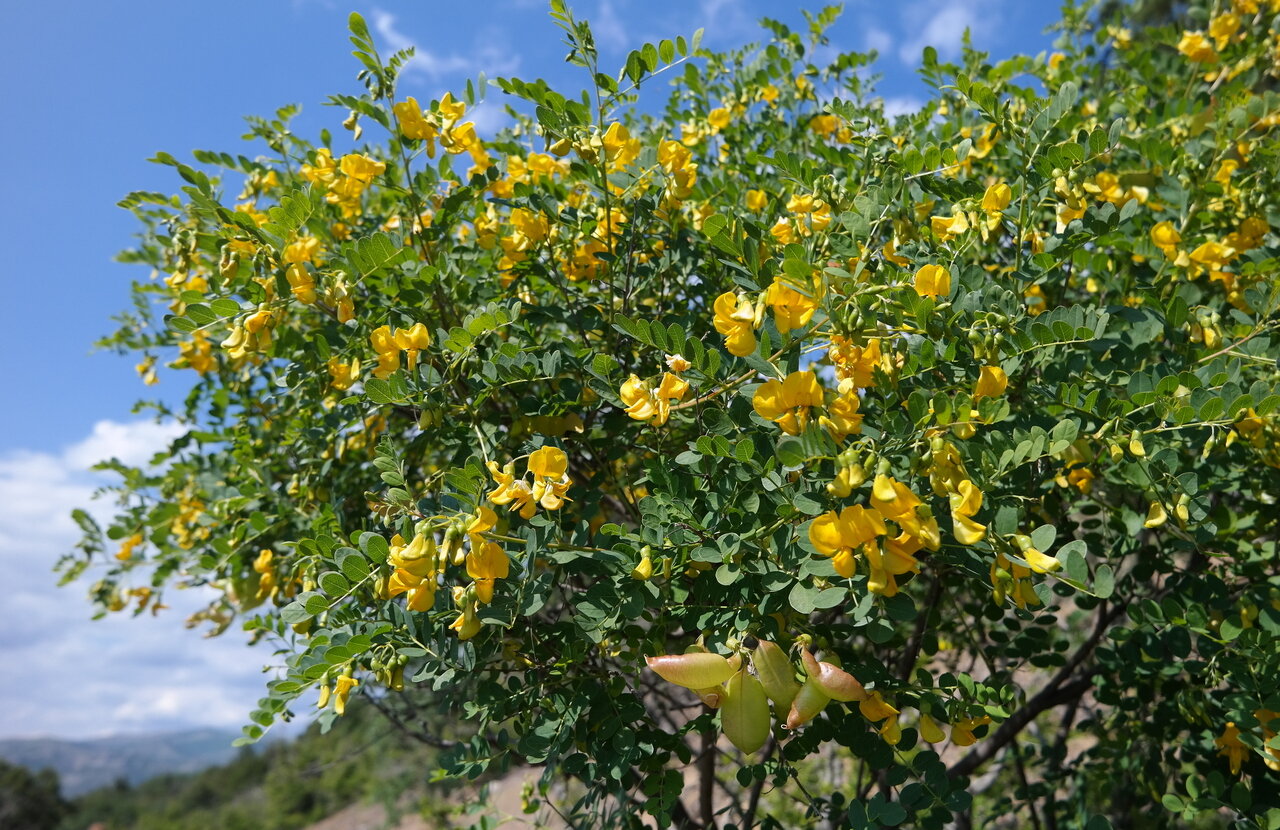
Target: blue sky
90,90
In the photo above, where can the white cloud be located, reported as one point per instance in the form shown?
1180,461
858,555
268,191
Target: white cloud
488,56
944,27
608,28
73,677
877,39
901,105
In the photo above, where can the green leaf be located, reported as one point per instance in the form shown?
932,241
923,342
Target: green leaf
790,451
353,564
334,584
366,257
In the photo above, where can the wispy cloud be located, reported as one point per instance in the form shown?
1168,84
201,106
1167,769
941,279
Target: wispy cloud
609,30
901,105
83,678
877,39
488,56
944,26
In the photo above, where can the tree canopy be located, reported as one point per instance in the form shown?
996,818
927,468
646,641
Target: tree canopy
929,460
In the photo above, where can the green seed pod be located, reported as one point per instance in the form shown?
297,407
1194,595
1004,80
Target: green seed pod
744,712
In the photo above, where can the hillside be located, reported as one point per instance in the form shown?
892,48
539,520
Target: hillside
282,786
83,766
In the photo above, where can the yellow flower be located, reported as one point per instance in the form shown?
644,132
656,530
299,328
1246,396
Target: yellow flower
992,382
1037,303
842,418
126,547
414,125
619,147
1039,562
965,502
930,731
897,503
1230,745
504,478
962,730
677,363
1223,28
897,557
1197,48
792,309
719,118
1010,577
301,283
933,281
854,363
1265,718
735,319
947,227
824,125
343,374
838,535
787,402
467,623
361,168
891,254
644,403
756,200
874,707
548,462
997,198
342,690
644,570
1213,255
306,249
485,563
1166,237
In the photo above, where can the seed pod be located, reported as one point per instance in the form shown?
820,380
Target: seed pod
835,682
776,673
744,712
693,671
808,703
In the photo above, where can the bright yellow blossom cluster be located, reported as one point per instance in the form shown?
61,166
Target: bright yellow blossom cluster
388,344
344,180
548,467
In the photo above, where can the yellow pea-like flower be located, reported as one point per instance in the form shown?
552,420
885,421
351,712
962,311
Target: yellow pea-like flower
992,382
933,281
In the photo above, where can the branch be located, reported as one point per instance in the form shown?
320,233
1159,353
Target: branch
753,800
1055,693
908,661
707,778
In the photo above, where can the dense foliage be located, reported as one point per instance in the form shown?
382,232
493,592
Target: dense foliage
276,785
968,417
29,800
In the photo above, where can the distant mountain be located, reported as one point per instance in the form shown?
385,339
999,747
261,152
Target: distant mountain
86,765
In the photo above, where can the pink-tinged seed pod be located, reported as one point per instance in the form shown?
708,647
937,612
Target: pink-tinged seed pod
776,674
835,682
744,712
808,703
693,671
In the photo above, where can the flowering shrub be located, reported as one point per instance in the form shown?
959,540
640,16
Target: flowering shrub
942,449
